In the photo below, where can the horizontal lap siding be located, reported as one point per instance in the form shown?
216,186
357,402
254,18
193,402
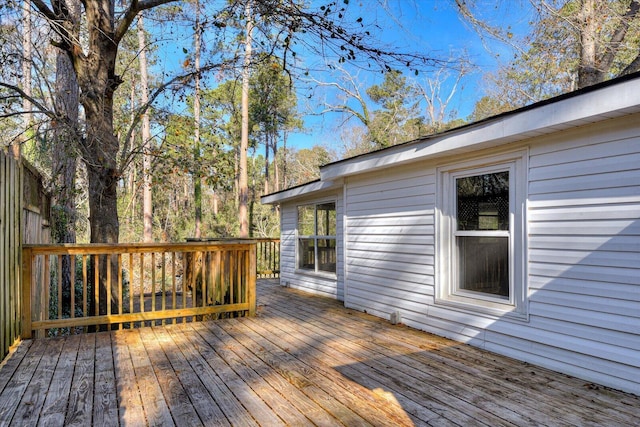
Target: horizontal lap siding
584,258
390,242
309,282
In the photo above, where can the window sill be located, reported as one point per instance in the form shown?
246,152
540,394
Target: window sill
320,274
491,309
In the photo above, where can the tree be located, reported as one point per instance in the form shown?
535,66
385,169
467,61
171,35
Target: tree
573,44
243,186
95,70
26,71
63,159
437,99
305,164
273,111
197,178
398,120
606,38
147,198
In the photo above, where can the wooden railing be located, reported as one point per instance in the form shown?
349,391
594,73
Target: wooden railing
268,258
67,288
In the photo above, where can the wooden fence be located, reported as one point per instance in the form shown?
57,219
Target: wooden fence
10,240
67,288
24,218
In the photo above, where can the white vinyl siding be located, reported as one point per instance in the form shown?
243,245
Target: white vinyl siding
583,255
327,284
584,252
390,242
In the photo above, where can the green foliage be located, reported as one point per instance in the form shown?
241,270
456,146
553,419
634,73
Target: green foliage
273,106
398,121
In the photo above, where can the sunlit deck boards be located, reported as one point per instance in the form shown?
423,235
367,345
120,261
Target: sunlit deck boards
302,361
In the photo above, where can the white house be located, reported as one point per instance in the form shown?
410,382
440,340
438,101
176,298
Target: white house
519,234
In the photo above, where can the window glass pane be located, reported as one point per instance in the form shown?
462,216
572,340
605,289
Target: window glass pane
306,254
306,226
326,213
327,255
483,264
482,202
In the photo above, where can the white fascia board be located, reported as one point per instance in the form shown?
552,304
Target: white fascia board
608,102
300,191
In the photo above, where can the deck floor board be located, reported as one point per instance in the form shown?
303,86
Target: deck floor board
421,367
303,360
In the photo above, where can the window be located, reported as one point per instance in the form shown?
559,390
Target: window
482,233
317,237
482,236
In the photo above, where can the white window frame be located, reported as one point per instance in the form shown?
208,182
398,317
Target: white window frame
447,289
316,237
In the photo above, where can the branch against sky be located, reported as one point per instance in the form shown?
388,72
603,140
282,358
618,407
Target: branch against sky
350,90
598,38
469,10
338,31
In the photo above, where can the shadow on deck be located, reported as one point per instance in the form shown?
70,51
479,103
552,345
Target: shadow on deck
304,360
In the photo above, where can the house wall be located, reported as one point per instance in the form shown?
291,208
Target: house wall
583,255
323,284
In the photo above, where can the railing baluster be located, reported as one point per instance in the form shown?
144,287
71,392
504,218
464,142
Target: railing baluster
153,282
85,282
141,285
108,286
72,285
44,310
131,288
60,284
120,293
203,286
164,296
173,283
96,284
185,260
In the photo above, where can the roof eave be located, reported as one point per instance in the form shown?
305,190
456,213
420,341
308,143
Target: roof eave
300,190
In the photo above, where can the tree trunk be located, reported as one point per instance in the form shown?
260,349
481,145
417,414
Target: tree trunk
588,71
66,141
243,190
132,166
266,163
197,176
276,168
99,150
15,150
147,202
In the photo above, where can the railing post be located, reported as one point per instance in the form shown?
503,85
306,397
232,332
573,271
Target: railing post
251,277
27,262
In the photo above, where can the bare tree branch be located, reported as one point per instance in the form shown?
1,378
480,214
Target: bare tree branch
41,108
134,8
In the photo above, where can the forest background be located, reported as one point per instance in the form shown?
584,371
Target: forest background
160,120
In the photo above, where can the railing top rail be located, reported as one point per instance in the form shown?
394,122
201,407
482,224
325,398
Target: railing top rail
116,248
234,239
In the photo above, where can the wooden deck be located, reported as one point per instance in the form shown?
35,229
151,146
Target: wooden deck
303,360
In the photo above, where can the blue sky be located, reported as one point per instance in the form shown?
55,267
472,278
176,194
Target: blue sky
431,26
425,26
